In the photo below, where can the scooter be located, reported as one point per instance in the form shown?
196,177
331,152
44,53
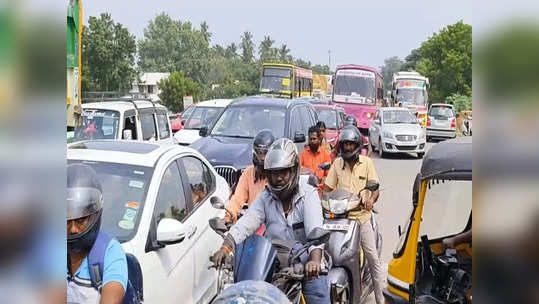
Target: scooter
349,277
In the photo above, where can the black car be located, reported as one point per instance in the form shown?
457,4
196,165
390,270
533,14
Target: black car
228,145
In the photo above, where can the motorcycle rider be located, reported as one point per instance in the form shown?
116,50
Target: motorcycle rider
84,210
290,210
314,155
350,120
253,180
350,172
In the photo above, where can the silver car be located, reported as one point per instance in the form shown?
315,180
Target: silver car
395,130
441,121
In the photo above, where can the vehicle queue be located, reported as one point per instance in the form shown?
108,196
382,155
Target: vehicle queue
164,202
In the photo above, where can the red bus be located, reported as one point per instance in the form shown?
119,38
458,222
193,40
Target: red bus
359,90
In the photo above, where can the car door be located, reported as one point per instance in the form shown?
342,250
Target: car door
375,128
200,185
169,270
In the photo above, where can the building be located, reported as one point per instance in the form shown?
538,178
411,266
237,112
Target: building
148,85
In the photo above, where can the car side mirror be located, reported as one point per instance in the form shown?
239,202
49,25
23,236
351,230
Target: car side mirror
318,236
127,134
217,202
170,231
299,138
203,132
372,185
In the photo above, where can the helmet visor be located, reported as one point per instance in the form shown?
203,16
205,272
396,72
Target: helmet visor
83,202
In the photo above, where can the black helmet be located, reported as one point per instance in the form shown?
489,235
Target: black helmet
262,142
283,154
350,120
84,199
350,134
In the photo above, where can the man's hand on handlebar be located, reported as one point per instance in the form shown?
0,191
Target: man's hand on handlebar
219,257
312,269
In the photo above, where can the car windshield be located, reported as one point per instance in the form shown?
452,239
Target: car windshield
276,80
441,112
412,96
399,117
246,121
329,117
203,117
124,193
187,112
97,124
355,86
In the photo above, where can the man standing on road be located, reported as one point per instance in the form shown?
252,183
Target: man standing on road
290,210
314,155
350,172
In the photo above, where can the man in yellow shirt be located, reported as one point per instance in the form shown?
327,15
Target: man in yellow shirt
350,172
253,180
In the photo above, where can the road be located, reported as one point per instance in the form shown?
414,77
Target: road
396,173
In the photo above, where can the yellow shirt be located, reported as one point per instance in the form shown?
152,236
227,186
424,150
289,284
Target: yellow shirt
341,176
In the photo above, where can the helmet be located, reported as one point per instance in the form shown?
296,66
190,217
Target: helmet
84,199
283,154
350,134
350,120
261,144
250,291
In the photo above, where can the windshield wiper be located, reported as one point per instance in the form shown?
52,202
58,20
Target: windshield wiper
233,136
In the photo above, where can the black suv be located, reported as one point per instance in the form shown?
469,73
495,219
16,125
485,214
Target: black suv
228,145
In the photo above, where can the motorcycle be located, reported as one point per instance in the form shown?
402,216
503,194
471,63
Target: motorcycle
278,262
349,276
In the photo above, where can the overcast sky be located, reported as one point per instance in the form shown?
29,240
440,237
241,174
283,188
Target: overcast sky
356,31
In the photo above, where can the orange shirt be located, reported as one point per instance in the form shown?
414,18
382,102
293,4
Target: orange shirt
246,192
311,160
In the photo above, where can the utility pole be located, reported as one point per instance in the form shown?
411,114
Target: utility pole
329,59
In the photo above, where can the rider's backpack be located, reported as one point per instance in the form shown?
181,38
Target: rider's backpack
96,259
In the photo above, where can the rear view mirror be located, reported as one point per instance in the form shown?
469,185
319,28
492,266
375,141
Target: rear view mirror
203,132
372,185
299,138
127,134
170,231
217,202
325,166
318,236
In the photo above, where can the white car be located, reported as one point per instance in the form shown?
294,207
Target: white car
124,118
395,130
157,204
205,114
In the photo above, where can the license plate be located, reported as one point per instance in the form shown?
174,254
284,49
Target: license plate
336,227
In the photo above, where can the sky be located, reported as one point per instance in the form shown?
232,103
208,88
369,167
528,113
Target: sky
356,31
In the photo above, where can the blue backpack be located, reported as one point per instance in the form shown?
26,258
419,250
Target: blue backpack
96,259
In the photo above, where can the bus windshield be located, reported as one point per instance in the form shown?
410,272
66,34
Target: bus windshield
276,79
412,96
355,86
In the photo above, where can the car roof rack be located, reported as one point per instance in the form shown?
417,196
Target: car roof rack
111,96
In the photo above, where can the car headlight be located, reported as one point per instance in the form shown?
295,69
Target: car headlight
387,135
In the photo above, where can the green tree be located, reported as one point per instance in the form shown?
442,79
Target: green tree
174,88
205,30
461,102
247,47
108,54
284,54
321,69
391,65
171,45
447,61
411,60
266,51
231,50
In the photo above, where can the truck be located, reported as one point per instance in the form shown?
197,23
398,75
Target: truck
409,89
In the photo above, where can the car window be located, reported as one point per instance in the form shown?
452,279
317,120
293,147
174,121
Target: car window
147,123
187,112
199,177
130,124
98,124
162,123
203,117
170,201
306,120
441,112
247,121
295,122
329,117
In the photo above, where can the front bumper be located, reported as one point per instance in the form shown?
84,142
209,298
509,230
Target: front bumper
441,133
396,146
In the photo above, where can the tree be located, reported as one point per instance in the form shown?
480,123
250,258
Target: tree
447,61
108,54
266,51
231,50
171,45
247,47
321,69
204,29
461,102
391,66
284,54
411,60
174,88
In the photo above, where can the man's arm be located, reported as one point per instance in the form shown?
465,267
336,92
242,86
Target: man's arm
331,180
112,293
250,222
237,200
114,274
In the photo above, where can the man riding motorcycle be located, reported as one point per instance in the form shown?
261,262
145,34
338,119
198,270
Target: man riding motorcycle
350,172
290,211
366,149
253,180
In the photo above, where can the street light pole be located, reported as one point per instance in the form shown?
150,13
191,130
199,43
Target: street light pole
329,59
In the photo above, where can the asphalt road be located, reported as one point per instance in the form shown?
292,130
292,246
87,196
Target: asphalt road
396,173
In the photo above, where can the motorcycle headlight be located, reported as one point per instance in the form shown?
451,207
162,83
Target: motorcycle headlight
387,135
337,206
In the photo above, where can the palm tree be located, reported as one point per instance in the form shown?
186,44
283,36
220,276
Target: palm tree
247,47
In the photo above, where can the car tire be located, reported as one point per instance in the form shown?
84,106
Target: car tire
420,155
380,149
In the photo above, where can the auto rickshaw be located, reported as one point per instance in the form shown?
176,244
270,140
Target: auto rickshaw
422,269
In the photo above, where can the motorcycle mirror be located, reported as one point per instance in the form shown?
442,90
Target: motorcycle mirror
325,166
217,202
372,185
218,225
318,236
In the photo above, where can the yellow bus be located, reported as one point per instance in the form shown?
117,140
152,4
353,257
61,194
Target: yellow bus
286,80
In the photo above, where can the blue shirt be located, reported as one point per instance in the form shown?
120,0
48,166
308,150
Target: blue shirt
115,270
